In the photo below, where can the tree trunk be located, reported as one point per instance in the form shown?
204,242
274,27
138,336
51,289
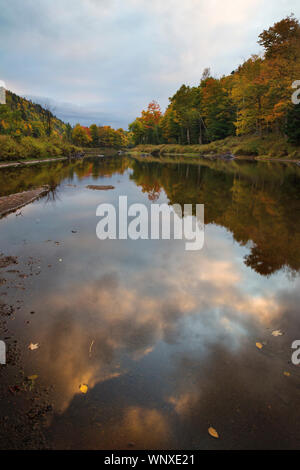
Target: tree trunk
188,136
200,134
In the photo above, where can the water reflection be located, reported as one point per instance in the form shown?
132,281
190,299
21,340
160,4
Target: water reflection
257,202
164,338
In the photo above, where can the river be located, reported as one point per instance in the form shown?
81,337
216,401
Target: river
142,344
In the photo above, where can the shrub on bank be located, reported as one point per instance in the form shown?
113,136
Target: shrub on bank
9,148
31,147
272,146
279,149
12,149
249,150
66,149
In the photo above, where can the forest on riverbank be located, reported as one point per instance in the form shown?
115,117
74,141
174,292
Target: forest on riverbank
29,130
253,103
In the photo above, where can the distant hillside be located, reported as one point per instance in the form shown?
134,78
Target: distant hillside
31,131
23,117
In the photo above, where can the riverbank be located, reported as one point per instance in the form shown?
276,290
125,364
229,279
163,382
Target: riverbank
25,407
14,202
34,148
260,148
30,162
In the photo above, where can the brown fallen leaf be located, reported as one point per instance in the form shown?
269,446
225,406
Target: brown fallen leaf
259,345
213,433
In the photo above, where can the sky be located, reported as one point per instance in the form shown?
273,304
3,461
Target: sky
103,61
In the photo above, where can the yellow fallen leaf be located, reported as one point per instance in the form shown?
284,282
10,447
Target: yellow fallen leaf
213,433
32,377
287,374
259,345
32,346
83,388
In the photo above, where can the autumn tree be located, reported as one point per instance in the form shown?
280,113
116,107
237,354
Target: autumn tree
68,132
80,136
94,132
282,38
109,137
146,128
137,129
292,128
217,108
249,88
170,126
185,103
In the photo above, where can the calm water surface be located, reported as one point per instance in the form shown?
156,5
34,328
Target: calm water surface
164,339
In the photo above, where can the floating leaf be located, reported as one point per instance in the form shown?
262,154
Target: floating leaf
213,433
277,333
33,346
83,388
259,345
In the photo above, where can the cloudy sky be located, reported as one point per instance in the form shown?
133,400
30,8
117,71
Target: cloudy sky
103,60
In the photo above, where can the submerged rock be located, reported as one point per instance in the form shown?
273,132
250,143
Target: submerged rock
99,187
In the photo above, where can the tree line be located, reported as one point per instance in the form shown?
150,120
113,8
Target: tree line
255,99
97,136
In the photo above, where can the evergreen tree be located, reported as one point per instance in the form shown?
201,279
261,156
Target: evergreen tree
292,128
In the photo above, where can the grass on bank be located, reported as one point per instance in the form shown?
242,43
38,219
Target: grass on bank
27,148
251,146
